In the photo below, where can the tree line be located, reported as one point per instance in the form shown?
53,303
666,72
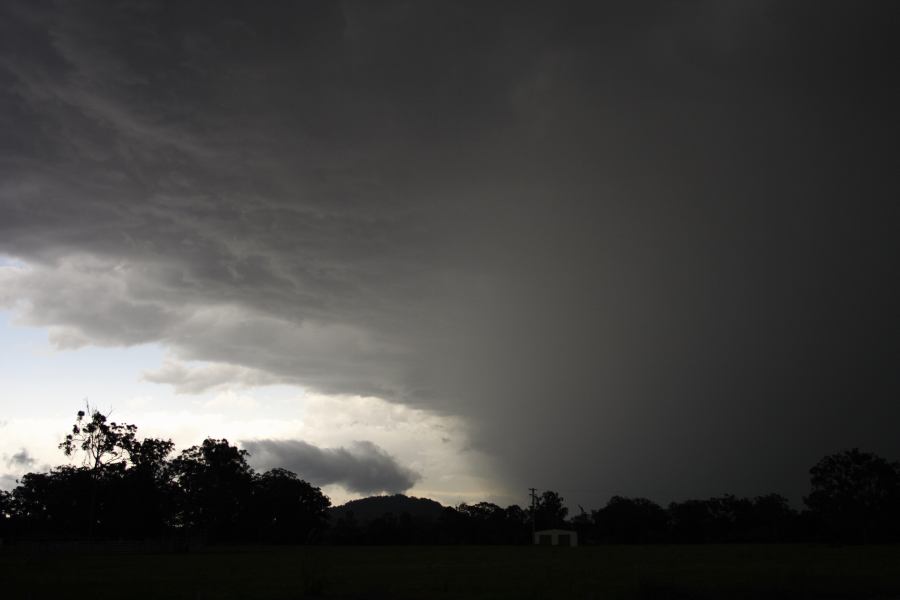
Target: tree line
128,488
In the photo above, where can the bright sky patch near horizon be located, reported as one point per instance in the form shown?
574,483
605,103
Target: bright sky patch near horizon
32,370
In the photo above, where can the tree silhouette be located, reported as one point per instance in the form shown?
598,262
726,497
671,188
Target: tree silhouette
215,487
59,502
104,446
550,511
486,522
101,442
631,521
7,514
773,519
148,489
288,509
856,494
518,525
5,505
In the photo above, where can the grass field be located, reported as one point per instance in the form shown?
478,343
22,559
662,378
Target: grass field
726,571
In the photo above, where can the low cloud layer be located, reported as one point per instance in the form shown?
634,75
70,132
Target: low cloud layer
362,468
639,248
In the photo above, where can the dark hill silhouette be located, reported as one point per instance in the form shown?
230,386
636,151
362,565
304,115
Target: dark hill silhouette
373,507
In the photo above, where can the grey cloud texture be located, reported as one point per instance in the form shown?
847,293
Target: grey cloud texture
188,379
20,460
363,468
642,248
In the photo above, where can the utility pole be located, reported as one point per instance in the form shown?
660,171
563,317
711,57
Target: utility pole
533,512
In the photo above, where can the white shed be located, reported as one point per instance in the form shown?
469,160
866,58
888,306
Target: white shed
556,537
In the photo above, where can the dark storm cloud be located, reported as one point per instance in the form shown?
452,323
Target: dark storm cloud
642,248
363,468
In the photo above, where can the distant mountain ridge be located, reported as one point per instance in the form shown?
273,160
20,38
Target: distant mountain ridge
373,507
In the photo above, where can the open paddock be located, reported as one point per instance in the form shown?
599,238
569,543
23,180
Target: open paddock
380,572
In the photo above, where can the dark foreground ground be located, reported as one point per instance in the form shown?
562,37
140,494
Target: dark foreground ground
674,572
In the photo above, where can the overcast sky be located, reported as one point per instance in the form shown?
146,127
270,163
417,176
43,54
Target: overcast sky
457,249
